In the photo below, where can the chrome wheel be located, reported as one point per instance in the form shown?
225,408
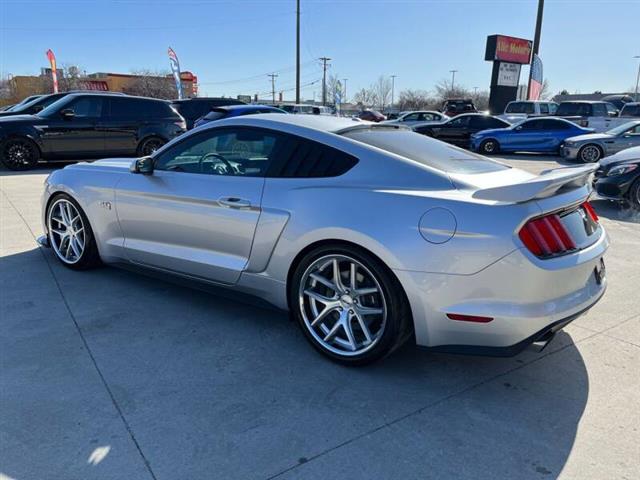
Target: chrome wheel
150,146
66,231
343,305
590,154
489,146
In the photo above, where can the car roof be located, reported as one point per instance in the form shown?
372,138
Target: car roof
230,108
128,97
583,101
326,123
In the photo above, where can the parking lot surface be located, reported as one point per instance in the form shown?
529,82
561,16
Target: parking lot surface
108,374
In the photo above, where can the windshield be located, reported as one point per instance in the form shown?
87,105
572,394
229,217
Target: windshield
55,107
520,107
425,150
619,130
575,109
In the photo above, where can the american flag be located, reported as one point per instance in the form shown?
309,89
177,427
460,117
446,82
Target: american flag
535,82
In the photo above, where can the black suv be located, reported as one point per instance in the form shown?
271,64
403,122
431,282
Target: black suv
80,126
36,103
192,109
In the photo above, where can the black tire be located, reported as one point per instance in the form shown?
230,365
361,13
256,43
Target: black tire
489,147
149,145
398,327
590,153
633,195
20,153
90,257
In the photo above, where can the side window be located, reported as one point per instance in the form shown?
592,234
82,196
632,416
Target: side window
532,125
410,118
633,131
298,157
478,122
555,125
459,122
599,110
229,151
496,123
553,107
123,108
87,107
544,108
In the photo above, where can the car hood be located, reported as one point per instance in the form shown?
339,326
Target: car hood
106,164
628,155
589,137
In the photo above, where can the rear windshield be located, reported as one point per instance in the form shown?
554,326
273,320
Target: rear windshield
520,107
574,109
425,150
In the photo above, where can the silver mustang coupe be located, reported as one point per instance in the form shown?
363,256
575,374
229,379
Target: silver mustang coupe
593,146
369,234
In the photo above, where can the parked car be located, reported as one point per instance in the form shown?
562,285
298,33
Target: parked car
273,205
542,135
618,101
618,177
218,113
192,109
371,116
419,116
80,126
35,105
591,114
4,108
594,146
458,130
521,109
300,108
27,100
457,106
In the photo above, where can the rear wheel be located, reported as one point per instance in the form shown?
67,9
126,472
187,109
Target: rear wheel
590,153
348,304
489,147
70,234
20,154
149,145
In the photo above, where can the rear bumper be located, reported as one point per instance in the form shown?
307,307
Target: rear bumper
527,298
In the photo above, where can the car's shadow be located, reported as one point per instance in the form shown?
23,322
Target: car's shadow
613,210
235,389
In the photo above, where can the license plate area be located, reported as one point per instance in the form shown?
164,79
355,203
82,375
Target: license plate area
599,272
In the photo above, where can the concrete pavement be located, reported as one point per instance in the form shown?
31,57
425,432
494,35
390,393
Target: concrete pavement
108,374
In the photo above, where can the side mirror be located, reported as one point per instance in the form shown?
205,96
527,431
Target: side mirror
518,129
67,113
142,165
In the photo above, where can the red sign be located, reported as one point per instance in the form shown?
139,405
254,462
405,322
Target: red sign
508,49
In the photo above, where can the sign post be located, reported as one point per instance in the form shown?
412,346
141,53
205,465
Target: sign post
508,54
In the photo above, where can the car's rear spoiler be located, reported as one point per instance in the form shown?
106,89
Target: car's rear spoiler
548,183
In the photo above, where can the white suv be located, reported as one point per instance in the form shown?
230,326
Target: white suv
521,109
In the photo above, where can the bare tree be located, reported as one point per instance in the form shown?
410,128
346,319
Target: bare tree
545,91
152,84
382,91
334,86
415,100
365,97
481,100
444,91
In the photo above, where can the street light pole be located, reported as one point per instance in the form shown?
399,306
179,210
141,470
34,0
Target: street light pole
324,79
453,79
637,80
393,88
297,51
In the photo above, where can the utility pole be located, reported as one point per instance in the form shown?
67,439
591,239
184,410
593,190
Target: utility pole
324,79
393,88
637,80
297,51
453,79
475,92
273,86
344,91
536,40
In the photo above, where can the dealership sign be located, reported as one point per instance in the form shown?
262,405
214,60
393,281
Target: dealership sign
508,74
508,49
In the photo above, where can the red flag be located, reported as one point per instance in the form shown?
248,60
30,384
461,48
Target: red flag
54,74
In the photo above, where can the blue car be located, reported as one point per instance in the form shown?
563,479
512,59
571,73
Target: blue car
541,134
218,113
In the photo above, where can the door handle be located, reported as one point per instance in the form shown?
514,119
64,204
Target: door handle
234,202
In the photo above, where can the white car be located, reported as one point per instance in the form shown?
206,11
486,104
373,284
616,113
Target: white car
521,109
416,117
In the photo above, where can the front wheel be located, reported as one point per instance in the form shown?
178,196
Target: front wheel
590,153
70,234
349,305
634,194
20,154
149,145
489,147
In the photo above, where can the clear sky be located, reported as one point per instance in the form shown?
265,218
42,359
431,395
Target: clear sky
231,46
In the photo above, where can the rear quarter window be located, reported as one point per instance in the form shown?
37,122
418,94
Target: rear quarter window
425,150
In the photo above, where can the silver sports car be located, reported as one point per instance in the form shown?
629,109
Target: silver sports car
369,234
593,146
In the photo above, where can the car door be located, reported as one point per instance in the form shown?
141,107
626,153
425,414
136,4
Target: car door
526,136
120,125
630,138
197,213
73,131
455,131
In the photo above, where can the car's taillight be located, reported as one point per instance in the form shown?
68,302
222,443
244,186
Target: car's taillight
547,236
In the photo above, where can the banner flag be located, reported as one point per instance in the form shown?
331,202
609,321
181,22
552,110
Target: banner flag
54,74
175,69
536,79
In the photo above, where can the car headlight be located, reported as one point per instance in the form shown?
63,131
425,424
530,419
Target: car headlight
569,143
622,169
